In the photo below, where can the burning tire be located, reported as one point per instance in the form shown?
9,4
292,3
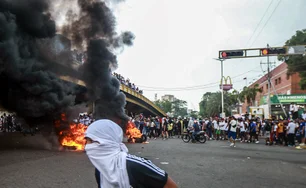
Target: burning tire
142,139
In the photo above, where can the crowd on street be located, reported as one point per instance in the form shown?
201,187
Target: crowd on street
241,129
9,123
127,82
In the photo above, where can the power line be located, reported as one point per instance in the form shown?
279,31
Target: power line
196,86
190,89
266,22
257,26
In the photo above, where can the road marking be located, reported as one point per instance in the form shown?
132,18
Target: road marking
164,163
156,158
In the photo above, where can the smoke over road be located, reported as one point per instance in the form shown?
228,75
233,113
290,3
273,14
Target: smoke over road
28,87
98,36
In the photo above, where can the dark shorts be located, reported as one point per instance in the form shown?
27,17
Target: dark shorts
232,135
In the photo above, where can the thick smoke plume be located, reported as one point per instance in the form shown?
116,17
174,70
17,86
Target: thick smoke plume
27,86
94,31
30,51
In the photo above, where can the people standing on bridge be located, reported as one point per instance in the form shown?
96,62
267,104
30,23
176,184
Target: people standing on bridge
115,168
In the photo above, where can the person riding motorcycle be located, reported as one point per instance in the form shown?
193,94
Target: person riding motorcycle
195,130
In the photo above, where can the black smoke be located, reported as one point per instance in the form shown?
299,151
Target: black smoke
27,85
94,31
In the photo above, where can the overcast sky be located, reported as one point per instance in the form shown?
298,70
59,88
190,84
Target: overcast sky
177,40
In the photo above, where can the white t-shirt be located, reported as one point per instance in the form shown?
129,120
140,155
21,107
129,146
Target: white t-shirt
226,126
304,116
222,125
242,127
233,125
291,128
215,124
275,128
296,108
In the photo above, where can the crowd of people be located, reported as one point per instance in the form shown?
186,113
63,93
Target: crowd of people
85,119
242,129
9,123
127,82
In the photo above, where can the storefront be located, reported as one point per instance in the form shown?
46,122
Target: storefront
284,100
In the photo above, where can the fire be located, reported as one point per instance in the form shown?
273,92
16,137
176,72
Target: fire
132,132
74,136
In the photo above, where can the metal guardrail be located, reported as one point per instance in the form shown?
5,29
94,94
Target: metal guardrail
141,97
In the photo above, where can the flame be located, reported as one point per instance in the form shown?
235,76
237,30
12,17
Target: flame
74,136
132,132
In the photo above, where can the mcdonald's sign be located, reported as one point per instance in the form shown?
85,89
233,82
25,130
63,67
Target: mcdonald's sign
226,83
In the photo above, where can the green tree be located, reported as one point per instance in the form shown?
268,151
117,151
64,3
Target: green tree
194,114
249,94
179,108
296,63
165,105
203,104
211,104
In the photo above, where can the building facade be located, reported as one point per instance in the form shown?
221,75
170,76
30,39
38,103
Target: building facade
170,98
282,85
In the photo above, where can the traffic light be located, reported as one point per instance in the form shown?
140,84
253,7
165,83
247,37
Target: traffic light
228,54
273,51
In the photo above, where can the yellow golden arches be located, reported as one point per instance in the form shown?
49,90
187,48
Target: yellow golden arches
226,79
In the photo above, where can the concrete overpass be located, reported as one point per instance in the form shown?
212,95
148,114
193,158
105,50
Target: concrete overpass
136,102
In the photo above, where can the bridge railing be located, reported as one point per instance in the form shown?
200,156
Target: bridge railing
139,96
122,88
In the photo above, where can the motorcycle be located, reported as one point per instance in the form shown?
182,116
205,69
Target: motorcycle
200,137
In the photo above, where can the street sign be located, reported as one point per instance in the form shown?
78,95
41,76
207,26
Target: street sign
296,50
262,52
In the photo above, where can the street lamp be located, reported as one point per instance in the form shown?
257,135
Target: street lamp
222,97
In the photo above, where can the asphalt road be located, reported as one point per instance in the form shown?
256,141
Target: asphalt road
213,164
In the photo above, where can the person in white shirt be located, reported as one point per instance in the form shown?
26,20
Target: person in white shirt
242,130
215,123
190,124
232,133
291,109
295,111
222,128
304,115
290,133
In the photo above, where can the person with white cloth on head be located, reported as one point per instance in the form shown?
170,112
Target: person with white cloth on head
116,168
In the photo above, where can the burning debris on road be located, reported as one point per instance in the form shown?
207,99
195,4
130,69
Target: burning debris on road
133,134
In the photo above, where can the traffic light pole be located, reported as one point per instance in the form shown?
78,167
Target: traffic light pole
222,93
269,85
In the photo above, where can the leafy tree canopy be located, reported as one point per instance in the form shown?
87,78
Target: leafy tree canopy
296,63
177,107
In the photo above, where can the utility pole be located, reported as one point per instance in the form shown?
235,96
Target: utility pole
269,84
